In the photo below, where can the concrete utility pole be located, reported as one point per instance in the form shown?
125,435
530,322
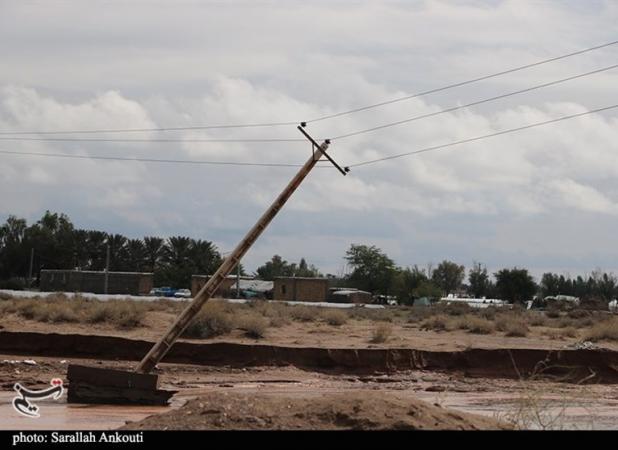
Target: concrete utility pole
31,265
238,280
106,287
159,350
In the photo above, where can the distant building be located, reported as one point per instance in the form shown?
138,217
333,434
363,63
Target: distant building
474,302
299,289
349,295
129,283
253,289
225,290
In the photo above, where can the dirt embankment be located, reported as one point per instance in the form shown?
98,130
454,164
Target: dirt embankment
599,365
361,410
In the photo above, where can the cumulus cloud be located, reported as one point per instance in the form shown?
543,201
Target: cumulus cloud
207,64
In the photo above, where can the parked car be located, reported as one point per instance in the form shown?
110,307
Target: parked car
182,293
163,292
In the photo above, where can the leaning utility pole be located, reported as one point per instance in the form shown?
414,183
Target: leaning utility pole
159,350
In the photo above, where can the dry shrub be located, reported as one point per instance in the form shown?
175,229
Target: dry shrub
381,333
98,313
418,313
254,326
303,313
382,315
578,313
476,325
593,303
377,315
59,313
585,322
489,313
553,311
502,322
8,307
560,333
29,309
537,320
278,314
569,332
335,318
603,331
565,322
438,322
123,314
5,296
126,314
516,328
213,320
455,309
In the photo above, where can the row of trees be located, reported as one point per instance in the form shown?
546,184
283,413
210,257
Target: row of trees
54,243
374,271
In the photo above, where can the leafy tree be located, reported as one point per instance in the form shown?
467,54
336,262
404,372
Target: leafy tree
279,267
427,289
515,285
305,270
550,284
480,284
405,282
448,276
373,271
13,259
276,267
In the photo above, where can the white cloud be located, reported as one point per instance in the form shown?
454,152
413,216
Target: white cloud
128,66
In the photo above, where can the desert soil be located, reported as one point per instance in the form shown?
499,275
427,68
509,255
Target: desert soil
353,334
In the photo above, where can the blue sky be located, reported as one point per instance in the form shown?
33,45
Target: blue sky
545,199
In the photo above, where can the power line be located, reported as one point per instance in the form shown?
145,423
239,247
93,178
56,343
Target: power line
142,130
149,160
478,138
325,117
289,140
479,102
257,140
462,83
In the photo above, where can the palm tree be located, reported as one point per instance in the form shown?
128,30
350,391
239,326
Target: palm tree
153,252
205,257
135,255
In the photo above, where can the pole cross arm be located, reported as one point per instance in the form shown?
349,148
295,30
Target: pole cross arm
343,171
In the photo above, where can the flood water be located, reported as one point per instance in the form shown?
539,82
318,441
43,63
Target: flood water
581,410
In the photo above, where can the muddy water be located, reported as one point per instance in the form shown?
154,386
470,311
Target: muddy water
58,415
531,405
542,413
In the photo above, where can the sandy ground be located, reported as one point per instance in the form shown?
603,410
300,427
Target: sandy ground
327,400
360,410
353,334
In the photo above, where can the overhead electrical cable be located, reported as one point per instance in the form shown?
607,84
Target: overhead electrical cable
321,118
485,136
468,105
343,136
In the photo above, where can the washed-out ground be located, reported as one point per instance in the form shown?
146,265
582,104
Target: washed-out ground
209,395
209,398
